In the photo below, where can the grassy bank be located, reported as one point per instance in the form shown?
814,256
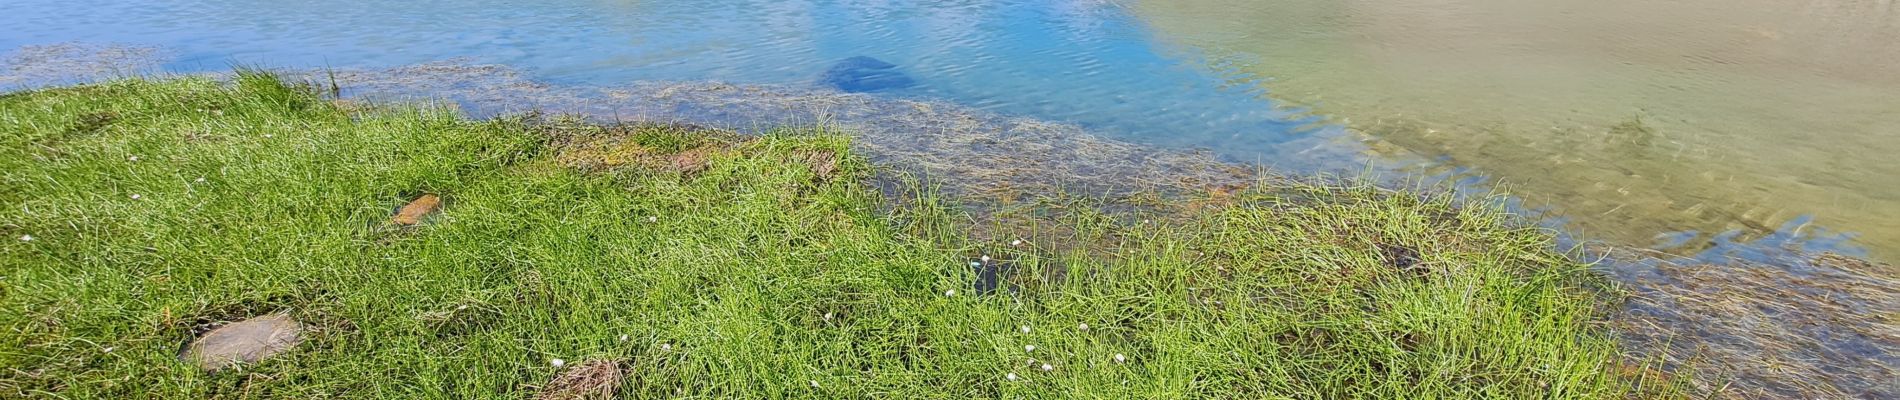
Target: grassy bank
661,262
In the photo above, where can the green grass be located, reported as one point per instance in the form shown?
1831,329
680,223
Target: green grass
719,279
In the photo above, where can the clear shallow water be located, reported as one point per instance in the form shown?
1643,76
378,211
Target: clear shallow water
1702,118
1135,73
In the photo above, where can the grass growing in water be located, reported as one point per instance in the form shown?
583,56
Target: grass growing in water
732,268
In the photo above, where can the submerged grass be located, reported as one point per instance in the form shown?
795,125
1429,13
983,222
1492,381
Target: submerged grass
140,211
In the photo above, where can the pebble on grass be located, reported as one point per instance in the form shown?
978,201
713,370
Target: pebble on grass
136,196
1083,327
1024,328
557,363
1047,367
1029,348
248,341
412,213
1120,359
1012,376
1017,242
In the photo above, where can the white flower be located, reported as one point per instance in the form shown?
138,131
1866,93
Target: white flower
1047,367
135,196
653,219
827,316
950,293
666,347
1120,359
557,363
1024,328
1029,348
1012,376
986,258
26,238
1084,327
623,338
1017,242
814,383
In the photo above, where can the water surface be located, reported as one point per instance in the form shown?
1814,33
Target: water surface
1664,122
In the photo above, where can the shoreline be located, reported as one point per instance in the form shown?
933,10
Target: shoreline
1100,158
403,251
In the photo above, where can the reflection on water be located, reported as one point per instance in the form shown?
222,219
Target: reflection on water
1628,117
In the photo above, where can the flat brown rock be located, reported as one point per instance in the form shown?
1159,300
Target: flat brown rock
247,341
412,213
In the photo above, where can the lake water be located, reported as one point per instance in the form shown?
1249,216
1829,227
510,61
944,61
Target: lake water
1689,125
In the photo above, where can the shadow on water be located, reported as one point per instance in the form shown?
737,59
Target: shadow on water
1775,322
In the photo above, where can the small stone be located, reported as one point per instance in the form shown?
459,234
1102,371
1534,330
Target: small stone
666,347
986,258
1017,242
1120,359
1012,376
1024,328
557,363
1047,367
1083,327
136,196
653,219
623,338
412,213
247,341
827,316
1029,348
132,158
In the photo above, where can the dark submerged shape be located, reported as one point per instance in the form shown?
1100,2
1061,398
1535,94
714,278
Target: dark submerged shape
865,74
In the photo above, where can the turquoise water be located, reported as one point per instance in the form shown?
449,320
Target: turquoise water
1074,61
1093,63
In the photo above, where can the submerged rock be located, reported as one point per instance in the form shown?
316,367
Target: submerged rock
865,74
247,341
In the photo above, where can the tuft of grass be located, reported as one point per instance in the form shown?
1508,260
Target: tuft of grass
768,270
